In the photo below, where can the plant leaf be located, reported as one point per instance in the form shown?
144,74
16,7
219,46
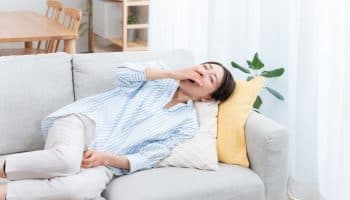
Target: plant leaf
256,63
273,73
250,78
275,93
249,63
257,103
237,66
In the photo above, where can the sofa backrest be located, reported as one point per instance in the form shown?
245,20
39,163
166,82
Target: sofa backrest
95,73
30,88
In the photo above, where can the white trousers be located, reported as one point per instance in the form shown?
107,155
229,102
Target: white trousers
55,173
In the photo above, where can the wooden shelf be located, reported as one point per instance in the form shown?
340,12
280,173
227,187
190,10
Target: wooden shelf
136,26
109,48
140,8
134,2
138,45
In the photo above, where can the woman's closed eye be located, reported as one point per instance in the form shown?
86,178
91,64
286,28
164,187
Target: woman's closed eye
208,67
212,79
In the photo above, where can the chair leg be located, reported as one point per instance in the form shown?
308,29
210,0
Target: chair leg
39,44
28,44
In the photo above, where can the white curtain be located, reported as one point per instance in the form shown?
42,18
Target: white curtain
179,24
311,38
319,96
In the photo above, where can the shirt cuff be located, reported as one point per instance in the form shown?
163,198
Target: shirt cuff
136,162
117,171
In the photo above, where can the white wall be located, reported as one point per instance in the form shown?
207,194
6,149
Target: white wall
39,6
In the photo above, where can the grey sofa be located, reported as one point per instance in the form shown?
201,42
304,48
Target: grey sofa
33,86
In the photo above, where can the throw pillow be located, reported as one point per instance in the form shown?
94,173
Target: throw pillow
233,113
200,151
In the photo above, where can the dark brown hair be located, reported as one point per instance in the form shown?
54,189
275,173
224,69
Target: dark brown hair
227,86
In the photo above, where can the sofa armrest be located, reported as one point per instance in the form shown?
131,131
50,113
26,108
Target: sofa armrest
267,147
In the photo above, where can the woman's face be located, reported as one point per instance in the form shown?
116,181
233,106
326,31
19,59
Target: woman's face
212,78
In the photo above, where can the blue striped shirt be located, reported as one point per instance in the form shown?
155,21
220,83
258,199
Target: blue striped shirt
131,119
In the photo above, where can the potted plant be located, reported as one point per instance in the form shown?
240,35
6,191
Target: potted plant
254,69
132,19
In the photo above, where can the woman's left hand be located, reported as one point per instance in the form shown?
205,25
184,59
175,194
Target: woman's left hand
92,158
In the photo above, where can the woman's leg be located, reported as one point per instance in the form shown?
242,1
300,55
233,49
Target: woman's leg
3,189
87,184
61,156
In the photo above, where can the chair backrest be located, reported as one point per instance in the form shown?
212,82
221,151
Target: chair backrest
53,11
72,17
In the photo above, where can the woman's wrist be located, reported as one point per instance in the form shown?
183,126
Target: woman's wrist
108,160
172,74
156,73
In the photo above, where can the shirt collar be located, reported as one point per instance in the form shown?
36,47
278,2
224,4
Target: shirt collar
188,104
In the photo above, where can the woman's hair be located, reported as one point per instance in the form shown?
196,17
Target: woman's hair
227,86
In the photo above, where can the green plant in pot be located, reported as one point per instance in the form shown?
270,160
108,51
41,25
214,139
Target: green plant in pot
255,68
132,19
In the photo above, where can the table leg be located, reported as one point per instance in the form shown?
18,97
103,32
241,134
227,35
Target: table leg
69,46
93,42
28,45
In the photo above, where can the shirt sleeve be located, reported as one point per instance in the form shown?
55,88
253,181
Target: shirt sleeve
150,154
130,76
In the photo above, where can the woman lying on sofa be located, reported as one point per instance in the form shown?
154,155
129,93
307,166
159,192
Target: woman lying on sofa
120,131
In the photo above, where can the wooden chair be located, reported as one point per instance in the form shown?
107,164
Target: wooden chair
71,20
53,11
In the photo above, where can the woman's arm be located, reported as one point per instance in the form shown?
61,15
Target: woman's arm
181,74
157,73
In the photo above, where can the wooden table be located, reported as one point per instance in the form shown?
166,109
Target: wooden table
27,26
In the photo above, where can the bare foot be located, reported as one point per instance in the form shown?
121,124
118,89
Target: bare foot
3,189
2,173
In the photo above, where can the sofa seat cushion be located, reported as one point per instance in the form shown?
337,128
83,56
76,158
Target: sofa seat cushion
229,182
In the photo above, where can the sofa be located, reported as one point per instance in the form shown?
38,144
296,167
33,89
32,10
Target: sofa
33,86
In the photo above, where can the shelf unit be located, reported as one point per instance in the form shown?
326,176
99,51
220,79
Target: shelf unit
141,42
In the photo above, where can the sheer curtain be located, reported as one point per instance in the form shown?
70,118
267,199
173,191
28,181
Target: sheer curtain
311,39
319,94
179,24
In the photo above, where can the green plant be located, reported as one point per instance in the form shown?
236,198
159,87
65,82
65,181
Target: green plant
132,19
84,26
255,69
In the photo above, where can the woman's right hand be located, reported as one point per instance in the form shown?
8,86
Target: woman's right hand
194,74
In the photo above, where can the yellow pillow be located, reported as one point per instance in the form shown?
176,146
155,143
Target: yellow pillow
232,116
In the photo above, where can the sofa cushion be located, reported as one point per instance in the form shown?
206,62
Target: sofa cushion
200,151
30,88
95,73
170,183
232,116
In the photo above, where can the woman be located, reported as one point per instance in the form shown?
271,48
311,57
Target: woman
126,129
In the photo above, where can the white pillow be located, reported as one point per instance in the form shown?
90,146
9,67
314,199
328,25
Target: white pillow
200,151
